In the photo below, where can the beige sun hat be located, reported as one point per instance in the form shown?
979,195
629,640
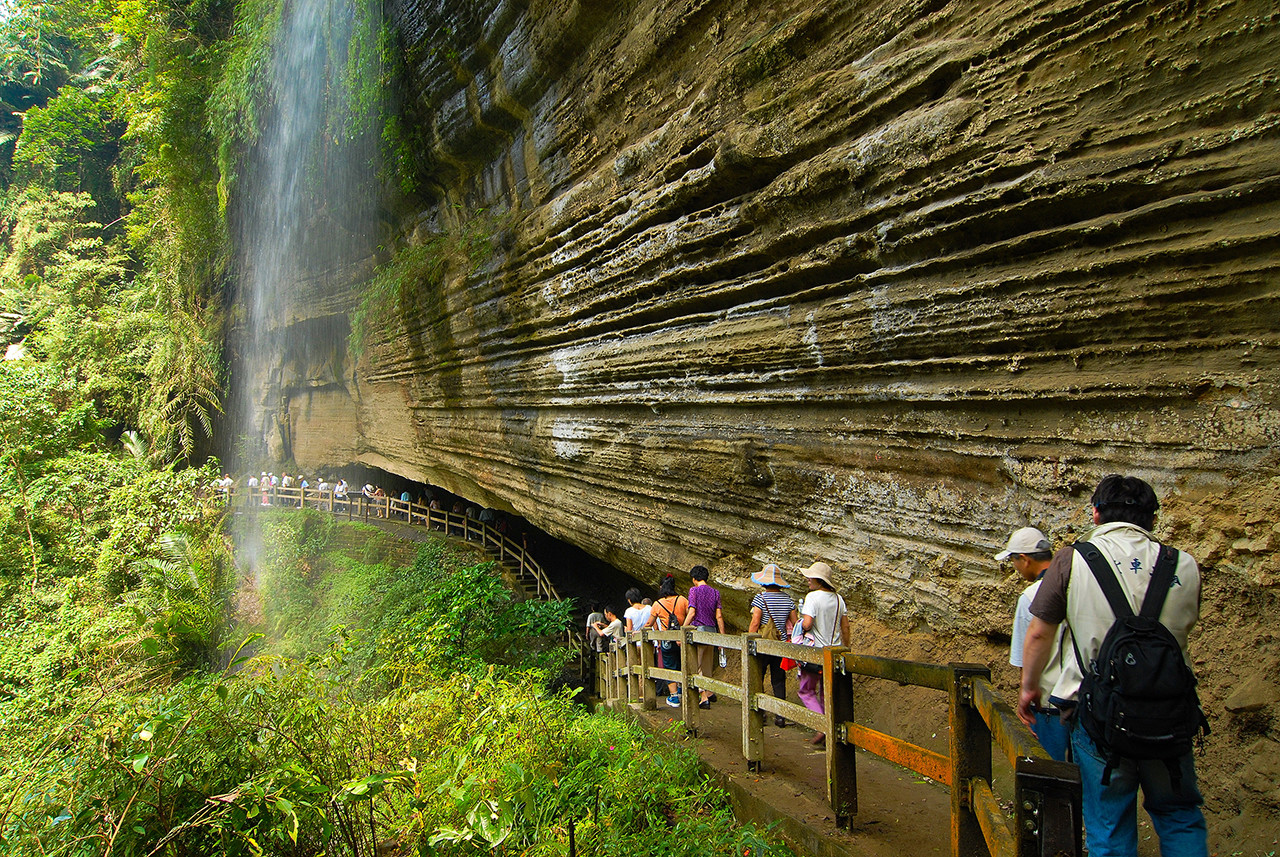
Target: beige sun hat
820,571
768,576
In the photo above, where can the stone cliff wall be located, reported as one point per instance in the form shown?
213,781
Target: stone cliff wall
729,282
871,282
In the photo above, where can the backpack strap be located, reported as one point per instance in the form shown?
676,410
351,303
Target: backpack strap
1161,582
1106,577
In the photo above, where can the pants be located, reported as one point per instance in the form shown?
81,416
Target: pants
670,661
1054,735
705,660
1111,812
777,675
811,691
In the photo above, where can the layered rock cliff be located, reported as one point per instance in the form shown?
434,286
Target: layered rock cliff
719,282
870,282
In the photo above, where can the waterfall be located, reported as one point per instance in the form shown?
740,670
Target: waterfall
305,217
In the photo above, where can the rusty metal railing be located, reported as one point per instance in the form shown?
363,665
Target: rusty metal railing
1046,819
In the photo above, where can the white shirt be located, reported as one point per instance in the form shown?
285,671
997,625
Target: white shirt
638,616
826,608
1021,619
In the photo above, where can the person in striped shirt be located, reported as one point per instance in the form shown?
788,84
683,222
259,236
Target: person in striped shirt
775,606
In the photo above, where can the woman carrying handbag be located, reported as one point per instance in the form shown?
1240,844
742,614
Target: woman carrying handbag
823,615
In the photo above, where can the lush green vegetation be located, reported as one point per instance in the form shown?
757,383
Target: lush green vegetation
333,694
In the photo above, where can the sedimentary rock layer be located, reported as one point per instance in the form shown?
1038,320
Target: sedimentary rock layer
871,282
728,283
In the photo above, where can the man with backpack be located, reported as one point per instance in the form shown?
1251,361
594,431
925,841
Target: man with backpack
1129,603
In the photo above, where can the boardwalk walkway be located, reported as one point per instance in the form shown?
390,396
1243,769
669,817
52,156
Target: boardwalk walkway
901,814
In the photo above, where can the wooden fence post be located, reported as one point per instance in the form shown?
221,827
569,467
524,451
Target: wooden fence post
632,656
752,717
688,693
842,771
648,690
1046,799
970,759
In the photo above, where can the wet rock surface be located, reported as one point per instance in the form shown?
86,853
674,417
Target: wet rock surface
731,283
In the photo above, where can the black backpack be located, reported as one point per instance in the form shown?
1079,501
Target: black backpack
1138,698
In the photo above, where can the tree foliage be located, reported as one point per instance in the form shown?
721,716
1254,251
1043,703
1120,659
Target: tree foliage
115,247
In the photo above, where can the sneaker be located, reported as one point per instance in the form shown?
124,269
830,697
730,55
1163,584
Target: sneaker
706,703
779,721
724,659
674,700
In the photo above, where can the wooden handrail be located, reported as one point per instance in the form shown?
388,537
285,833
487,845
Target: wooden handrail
359,505
1047,793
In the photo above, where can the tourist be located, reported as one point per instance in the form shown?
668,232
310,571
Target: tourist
1124,510
609,629
303,485
1029,552
773,608
823,614
668,614
704,615
380,498
635,617
594,618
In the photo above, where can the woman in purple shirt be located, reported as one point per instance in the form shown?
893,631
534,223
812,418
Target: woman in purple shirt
704,615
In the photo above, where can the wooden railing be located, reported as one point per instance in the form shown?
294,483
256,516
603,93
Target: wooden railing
358,506
1046,796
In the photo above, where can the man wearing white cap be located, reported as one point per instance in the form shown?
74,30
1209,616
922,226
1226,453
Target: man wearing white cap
1029,552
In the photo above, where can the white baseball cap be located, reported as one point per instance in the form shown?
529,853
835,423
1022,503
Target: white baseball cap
1025,540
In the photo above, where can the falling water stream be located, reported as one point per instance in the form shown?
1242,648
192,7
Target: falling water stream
306,215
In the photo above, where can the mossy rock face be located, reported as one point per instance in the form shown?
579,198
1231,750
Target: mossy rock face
867,282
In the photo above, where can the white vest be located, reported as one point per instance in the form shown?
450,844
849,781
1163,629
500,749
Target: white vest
1132,552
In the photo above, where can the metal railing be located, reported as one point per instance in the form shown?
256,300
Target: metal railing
359,506
1046,820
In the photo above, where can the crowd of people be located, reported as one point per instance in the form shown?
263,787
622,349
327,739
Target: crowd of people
820,619
1100,636
268,489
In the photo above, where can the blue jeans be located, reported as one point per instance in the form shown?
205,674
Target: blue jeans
1053,734
1111,812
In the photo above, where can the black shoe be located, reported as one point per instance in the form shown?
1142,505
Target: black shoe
779,721
711,697
706,703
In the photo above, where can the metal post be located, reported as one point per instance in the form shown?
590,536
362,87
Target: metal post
970,758
1047,820
752,717
842,772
